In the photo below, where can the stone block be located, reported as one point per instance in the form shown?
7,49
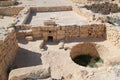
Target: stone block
29,38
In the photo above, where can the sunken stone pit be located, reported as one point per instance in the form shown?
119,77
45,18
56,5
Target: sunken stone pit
85,54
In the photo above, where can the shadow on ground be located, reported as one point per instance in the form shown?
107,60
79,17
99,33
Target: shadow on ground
26,58
31,17
85,40
22,41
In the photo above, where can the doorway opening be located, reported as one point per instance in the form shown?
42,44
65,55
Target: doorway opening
50,38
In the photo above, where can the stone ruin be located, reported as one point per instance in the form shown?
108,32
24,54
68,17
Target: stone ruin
94,1
5,3
61,41
103,8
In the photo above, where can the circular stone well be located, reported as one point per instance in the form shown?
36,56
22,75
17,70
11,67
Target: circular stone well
85,54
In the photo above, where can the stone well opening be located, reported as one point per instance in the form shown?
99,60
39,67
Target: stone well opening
86,55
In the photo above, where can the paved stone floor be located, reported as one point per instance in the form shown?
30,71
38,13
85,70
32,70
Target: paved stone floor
61,18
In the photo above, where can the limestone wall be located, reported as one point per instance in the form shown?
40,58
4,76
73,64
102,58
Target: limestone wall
23,16
93,31
10,11
49,9
79,1
36,32
69,32
8,47
88,1
7,3
23,30
65,32
85,31
113,35
86,13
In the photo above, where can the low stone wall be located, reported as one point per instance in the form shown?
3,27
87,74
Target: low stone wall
86,13
113,35
93,31
23,16
23,30
89,1
66,32
50,9
36,32
7,3
80,1
10,11
85,31
8,47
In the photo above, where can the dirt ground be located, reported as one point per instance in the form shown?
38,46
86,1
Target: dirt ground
60,62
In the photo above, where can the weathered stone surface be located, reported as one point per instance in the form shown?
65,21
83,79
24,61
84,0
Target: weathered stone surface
113,35
104,8
36,72
8,49
42,42
29,38
61,45
66,32
7,3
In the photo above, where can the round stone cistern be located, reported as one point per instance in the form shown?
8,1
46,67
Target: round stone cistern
87,55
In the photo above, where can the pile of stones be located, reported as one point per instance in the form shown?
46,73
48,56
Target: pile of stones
103,8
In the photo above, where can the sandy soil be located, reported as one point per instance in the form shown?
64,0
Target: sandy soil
60,62
6,21
45,3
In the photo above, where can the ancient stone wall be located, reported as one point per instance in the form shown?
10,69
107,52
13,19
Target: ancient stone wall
86,13
113,35
36,32
65,32
50,9
8,47
89,1
7,3
23,30
103,8
93,31
23,16
85,31
10,11
49,31
79,1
